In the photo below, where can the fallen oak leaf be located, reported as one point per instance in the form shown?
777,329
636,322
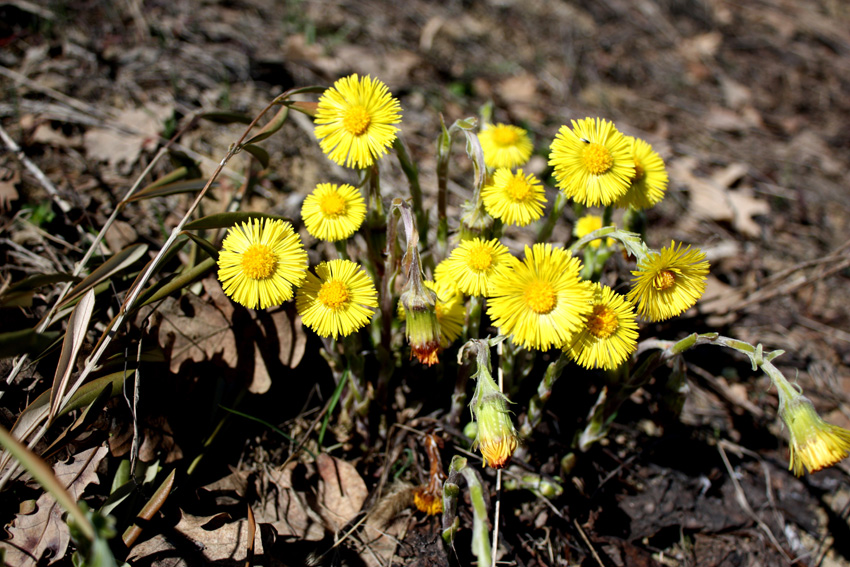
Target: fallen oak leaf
45,530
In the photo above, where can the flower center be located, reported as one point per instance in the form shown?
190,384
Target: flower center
639,172
540,297
596,158
505,136
480,258
518,189
665,279
603,322
356,120
334,294
258,262
332,205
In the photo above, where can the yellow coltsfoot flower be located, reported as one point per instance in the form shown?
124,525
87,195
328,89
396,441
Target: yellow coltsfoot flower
650,180
505,146
514,198
338,300
474,263
814,444
260,262
587,224
542,301
593,162
668,282
610,333
333,212
355,121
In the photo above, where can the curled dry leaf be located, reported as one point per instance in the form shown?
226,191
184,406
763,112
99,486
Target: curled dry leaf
45,530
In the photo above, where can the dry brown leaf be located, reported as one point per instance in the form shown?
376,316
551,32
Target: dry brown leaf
121,149
285,509
8,192
215,539
45,530
192,329
711,199
342,491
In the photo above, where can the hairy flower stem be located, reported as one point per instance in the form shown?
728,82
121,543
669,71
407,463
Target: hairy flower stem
530,420
412,173
451,492
473,317
557,208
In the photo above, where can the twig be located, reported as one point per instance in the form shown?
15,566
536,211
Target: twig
588,544
745,505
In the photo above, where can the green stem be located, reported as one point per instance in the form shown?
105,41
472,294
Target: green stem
412,173
473,317
552,219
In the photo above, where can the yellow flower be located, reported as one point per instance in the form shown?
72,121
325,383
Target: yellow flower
542,301
427,501
513,197
505,146
450,311
333,212
814,443
474,262
355,121
610,334
338,301
260,262
587,224
650,180
668,282
441,274
593,162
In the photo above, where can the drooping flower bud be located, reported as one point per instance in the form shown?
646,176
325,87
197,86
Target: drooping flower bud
429,498
814,443
497,437
422,328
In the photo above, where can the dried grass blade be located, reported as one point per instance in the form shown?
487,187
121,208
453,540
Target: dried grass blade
78,325
114,264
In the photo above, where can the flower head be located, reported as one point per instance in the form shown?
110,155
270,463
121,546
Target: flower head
333,212
505,146
668,282
260,262
542,301
650,180
355,121
593,162
610,333
497,438
814,443
513,197
450,310
337,300
587,224
474,263
422,327
429,498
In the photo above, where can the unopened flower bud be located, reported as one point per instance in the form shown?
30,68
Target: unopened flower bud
422,328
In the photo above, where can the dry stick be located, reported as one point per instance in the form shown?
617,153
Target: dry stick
136,291
42,178
742,500
587,542
48,320
108,120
